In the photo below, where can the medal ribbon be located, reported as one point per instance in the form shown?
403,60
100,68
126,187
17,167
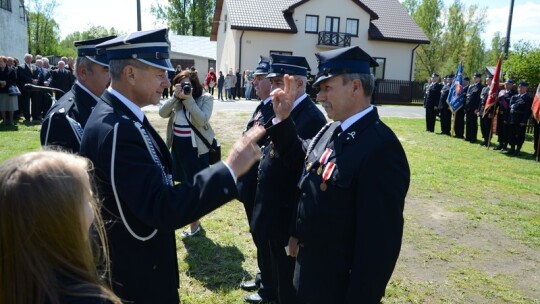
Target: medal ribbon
328,171
325,156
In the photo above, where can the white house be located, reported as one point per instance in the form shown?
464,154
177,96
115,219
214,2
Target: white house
13,25
246,29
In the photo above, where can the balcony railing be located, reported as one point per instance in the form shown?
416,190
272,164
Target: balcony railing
334,39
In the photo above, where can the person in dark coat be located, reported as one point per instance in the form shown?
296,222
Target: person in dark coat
459,115
273,211
25,76
220,83
431,101
520,112
247,185
444,108
64,123
486,116
503,110
472,102
61,79
236,90
355,178
142,207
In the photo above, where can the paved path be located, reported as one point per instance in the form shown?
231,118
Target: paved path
249,106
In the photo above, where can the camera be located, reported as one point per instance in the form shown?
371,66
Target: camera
186,88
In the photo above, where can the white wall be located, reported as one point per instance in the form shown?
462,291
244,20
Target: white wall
13,35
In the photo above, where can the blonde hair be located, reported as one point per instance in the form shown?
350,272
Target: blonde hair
46,253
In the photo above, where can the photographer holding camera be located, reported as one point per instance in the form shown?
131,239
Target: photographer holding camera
189,108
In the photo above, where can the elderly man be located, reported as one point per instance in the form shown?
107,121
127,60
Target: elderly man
64,123
61,79
349,221
142,207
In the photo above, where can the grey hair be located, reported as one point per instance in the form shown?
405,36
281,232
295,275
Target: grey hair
304,80
368,82
117,65
85,62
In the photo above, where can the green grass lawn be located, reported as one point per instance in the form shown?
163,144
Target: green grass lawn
472,230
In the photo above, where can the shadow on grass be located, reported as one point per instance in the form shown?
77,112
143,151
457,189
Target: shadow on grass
214,266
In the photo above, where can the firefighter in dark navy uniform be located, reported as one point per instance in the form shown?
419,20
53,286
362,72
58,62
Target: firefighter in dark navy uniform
444,107
459,115
431,101
472,103
349,220
247,184
65,121
273,210
487,117
142,207
520,112
503,110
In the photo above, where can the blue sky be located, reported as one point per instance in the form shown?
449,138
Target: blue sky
78,15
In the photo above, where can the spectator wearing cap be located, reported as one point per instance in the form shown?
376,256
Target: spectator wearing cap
472,103
520,112
431,101
142,206
486,117
273,210
64,123
247,184
503,110
349,221
459,116
444,108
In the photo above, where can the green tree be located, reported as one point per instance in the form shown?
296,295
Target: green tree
523,63
411,5
427,16
187,17
497,46
474,48
453,49
43,31
66,47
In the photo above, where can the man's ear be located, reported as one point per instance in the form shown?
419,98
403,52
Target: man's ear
357,86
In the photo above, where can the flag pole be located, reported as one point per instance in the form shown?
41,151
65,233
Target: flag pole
538,148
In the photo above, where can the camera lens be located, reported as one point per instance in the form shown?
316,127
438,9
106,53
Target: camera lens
186,87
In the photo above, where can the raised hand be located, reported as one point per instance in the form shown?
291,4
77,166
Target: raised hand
283,100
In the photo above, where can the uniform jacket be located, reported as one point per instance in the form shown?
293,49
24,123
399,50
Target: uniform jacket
503,103
24,75
520,109
247,184
133,170
65,121
350,234
62,81
443,103
198,112
472,101
274,210
483,98
433,94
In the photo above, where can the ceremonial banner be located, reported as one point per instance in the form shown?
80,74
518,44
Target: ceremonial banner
455,97
494,89
536,105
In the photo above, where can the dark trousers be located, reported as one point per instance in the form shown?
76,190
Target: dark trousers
283,267
516,136
186,161
267,288
502,131
459,123
485,128
211,90
471,130
24,104
431,115
220,93
37,104
233,93
446,121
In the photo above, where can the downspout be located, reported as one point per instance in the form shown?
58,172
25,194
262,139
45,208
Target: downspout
240,52
412,61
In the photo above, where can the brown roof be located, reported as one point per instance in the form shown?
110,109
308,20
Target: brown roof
389,19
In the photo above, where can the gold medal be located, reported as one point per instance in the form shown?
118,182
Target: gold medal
323,187
319,170
308,166
271,153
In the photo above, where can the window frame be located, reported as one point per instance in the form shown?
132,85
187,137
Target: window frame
6,5
356,29
382,66
316,24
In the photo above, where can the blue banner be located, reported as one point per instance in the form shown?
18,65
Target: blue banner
456,97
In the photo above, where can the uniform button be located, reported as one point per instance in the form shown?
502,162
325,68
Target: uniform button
304,194
299,221
154,267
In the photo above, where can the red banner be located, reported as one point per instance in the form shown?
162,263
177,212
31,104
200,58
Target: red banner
536,105
494,89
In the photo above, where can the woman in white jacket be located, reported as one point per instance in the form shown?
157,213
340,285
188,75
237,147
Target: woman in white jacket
189,108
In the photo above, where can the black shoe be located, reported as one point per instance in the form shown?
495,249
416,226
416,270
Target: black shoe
509,152
517,153
249,286
256,298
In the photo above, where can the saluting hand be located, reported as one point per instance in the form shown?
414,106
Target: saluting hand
245,152
283,100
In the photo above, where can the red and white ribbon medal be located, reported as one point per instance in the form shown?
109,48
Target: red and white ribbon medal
326,175
324,159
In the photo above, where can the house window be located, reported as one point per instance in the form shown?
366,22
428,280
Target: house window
378,71
332,24
225,23
312,24
281,53
5,4
352,27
